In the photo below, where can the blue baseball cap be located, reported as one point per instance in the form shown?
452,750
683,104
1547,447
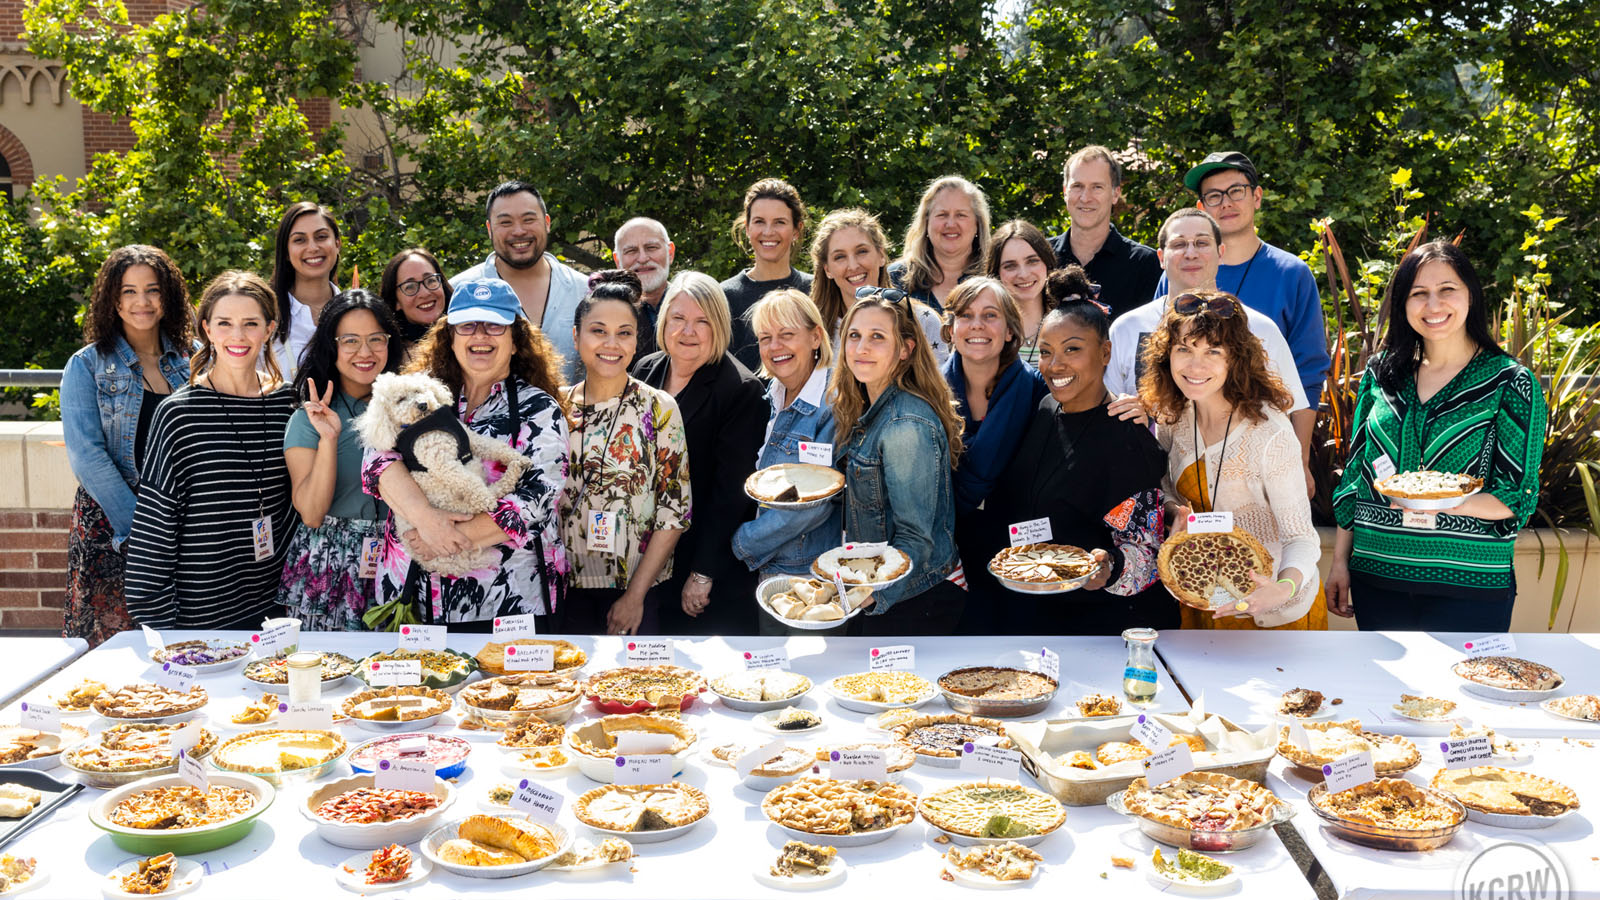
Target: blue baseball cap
484,300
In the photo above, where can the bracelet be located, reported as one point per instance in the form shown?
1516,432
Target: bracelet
699,579
1293,588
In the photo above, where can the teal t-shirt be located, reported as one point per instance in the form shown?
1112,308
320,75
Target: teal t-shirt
349,501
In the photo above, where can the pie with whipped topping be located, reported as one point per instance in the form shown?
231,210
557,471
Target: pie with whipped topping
1413,707
641,807
1426,484
1331,740
599,738
830,806
397,704
762,684
1390,803
1578,706
148,701
884,687
1492,789
997,683
1042,563
1509,673
1001,862
944,735
1207,570
794,483
1202,801
884,566
982,809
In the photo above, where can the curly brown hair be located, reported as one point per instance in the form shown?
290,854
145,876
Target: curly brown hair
535,359
103,323
1249,387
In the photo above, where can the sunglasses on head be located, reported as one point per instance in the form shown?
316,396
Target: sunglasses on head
893,295
1223,307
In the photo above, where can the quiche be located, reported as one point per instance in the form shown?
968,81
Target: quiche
397,704
762,684
886,565
492,658
1042,563
1202,801
521,692
1509,673
830,806
1414,707
1391,754
944,735
148,701
1427,484
1001,862
641,807
997,683
599,738
1196,567
1492,789
278,750
981,809
1390,803
794,483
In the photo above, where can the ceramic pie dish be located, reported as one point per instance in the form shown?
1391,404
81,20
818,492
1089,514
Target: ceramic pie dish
507,700
129,752
1204,811
1389,814
488,839
596,744
1042,568
997,691
637,689
1507,678
1391,754
973,813
794,485
28,748
352,812
646,813
881,568
569,658
443,670
164,802
206,657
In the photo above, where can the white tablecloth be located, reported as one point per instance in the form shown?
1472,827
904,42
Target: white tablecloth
30,660
284,858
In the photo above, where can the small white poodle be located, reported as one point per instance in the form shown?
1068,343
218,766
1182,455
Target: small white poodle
415,415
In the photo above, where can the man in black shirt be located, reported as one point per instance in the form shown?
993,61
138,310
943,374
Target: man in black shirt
1126,271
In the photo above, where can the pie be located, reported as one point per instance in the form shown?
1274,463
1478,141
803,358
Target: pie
278,750
199,653
492,841
1202,801
443,751
646,687
884,566
538,758
135,747
257,713
397,704
800,855
1097,705
981,809
181,806
1196,567
791,761
1426,484
794,483
533,732
1002,862
762,684
944,735
1078,759
1329,741
1509,673
641,807
1042,563
276,671
440,668
811,600
1414,707
1300,702
1492,789
81,696
897,755
148,701
883,687
1499,743
368,805
152,876
997,683
796,719
19,744
1390,803
829,806
521,692
599,738
492,658
1578,706
1112,752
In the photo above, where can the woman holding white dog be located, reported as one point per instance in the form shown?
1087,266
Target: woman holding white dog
504,377
626,501
327,576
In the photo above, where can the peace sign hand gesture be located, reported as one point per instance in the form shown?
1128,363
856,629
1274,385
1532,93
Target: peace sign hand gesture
322,416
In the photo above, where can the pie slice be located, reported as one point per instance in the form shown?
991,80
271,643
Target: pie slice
1209,570
1426,484
1495,790
794,483
1416,707
1391,754
1001,862
1300,702
804,857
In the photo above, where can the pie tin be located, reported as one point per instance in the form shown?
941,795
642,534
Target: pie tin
372,835
504,718
437,837
387,727
656,836
99,778
1037,587
1545,705
181,841
1202,841
1385,837
1512,695
755,706
992,707
749,485
776,585
1511,820
1439,504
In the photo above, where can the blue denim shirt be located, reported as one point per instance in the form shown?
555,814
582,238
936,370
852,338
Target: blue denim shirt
897,488
784,541
100,398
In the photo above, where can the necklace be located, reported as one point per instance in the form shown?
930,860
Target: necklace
1200,456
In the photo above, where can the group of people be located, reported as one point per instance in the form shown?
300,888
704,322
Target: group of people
987,377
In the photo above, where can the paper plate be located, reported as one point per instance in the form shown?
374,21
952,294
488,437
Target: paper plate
356,881
186,879
837,871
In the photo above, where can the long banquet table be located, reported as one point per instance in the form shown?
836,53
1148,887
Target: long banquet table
283,857
31,660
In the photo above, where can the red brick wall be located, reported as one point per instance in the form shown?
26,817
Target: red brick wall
33,567
18,158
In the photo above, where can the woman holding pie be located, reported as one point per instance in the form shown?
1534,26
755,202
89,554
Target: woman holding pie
1440,400
1221,416
898,436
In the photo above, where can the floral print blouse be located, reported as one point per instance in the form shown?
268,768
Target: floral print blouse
627,456
531,564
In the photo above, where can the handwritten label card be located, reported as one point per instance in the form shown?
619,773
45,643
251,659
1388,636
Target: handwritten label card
1210,522
275,639
988,761
1049,664
403,775
1165,765
650,653
816,454
637,743
1382,467
514,627
897,657
1464,753
394,672
41,716
862,549
1297,734
311,716
539,802
1152,734
645,769
751,759
174,677
1491,645
1033,531
1350,771
777,658
530,658
421,637
193,771
869,765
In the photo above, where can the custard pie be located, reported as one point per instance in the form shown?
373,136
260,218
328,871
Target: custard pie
641,807
982,809
1390,803
1492,789
1202,801
884,687
944,735
278,750
645,686
794,483
1331,740
762,684
599,738
397,704
1042,563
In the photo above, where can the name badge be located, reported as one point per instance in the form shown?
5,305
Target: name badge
261,534
369,557
1033,531
816,454
1416,518
1210,522
601,531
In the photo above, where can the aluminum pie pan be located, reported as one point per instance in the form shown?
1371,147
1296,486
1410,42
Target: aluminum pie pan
1513,695
1202,841
1437,504
749,485
991,707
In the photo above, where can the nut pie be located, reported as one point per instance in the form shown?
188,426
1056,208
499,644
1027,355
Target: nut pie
1042,563
1196,567
1509,673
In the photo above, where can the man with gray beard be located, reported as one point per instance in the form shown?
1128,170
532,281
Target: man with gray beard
643,247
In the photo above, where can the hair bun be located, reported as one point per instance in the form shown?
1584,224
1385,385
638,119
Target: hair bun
616,276
1069,283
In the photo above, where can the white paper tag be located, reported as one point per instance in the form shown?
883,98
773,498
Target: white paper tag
421,637
648,653
839,588
371,546
1221,596
1298,736
1033,531
152,638
412,745
1464,753
193,771
1350,771
858,765
644,743
816,454
646,769
1165,765
186,737
600,528
274,640
987,761
515,626
174,677
1050,664
1491,645
1154,735
539,802
308,716
1210,522
41,716
394,672
403,775
751,759
1417,518
530,657
862,550
1382,467
261,535
902,657
766,659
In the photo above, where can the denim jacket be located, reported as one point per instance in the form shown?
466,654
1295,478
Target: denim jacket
897,488
782,541
100,398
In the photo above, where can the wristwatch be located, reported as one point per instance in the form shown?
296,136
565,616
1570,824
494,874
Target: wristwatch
697,578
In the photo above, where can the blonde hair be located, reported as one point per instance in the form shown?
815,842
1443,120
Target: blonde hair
922,269
967,293
244,284
917,375
790,307
706,291
830,301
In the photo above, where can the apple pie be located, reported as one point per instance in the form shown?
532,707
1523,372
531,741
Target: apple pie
884,566
982,809
397,704
1329,741
829,806
794,483
1202,801
641,807
944,735
1042,563
1492,789
1211,569
1390,803
148,701
492,658
1426,484
1509,673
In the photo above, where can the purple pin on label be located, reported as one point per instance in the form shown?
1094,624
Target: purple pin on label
834,756
967,747
1141,719
383,764
24,707
622,761
523,784
166,667
1444,747
1327,770
283,707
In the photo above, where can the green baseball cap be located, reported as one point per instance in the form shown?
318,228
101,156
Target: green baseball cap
1222,159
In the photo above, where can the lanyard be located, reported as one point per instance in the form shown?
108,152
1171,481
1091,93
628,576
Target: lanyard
583,439
255,464
1239,291
1200,453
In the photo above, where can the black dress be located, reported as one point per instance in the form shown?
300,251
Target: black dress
724,410
1079,470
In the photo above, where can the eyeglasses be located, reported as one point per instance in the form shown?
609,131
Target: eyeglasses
411,286
350,343
893,295
1222,306
1237,193
1200,245
468,329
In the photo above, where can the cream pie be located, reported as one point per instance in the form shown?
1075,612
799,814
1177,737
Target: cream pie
794,483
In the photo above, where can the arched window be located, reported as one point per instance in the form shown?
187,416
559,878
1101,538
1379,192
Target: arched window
5,177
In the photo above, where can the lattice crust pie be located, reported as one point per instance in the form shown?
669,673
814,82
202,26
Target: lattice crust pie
492,658
634,684
397,704
887,565
897,755
1424,707
944,735
1509,673
1427,484
1495,790
148,701
641,807
996,683
794,483
599,738
1194,566
1391,803
1202,801
521,692
278,750
762,684
1042,563
791,761
884,687
134,747
1580,706
811,600
970,809
827,806
1332,740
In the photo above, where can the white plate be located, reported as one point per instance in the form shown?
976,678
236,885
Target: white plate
421,724
1326,712
983,882
842,841
216,667
356,881
186,879
1162,880
1446,719
874,706
1504,820
1561,715
764,722
431,843
780,583
837,870
40,876
509,765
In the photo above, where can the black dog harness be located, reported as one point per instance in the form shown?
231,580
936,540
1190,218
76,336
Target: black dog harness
442,419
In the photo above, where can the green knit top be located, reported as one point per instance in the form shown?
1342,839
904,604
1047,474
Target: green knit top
1489,422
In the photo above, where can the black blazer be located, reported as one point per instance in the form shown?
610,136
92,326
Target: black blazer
724,410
